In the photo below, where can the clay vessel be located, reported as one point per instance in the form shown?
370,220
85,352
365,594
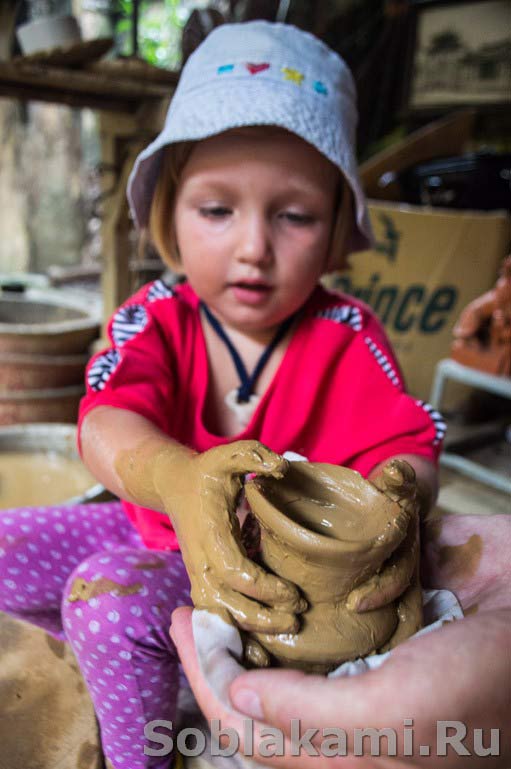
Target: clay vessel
30,371
47,323
53,440
328,530
59,404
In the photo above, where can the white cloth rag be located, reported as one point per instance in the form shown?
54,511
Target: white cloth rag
219,648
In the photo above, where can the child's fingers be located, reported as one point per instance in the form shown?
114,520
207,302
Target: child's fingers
254,582
253,617
254,457
386,586
393,579
244,576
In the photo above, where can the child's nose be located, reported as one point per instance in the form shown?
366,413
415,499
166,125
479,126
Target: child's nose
254,244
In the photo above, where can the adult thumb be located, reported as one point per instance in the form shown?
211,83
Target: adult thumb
280,696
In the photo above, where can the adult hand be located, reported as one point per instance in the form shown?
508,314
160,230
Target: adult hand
201,500
458,673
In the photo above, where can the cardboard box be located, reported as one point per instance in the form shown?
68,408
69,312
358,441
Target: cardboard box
428,264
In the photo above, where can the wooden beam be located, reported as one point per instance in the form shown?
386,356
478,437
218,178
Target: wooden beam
76,87
32,93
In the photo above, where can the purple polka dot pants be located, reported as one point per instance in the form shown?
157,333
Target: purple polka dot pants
83,574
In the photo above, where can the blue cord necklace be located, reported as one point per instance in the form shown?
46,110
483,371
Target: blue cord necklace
242,400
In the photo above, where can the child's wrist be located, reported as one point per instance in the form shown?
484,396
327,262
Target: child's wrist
170,470
144,470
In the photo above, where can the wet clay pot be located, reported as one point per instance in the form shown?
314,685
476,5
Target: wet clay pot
49,471
328,530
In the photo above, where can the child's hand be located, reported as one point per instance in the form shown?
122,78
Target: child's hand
397,480
201,502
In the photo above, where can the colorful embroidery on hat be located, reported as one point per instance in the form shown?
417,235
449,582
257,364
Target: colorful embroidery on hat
320,87
225,68
293,75
255,68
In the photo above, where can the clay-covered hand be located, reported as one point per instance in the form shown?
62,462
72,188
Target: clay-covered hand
200,496
397,481
459,672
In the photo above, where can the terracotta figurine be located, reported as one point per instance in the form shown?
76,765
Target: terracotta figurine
482,335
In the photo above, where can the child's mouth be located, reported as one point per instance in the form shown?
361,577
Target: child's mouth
250,293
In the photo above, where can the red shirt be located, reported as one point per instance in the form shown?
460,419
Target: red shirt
338,395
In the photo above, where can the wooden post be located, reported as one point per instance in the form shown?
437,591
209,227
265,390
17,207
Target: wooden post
121,141
7,19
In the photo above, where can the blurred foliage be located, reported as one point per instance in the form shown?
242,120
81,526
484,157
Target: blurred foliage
160,26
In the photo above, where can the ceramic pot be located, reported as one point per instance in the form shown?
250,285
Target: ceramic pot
327,530
47,323
20,371
48,32
59,404
55,440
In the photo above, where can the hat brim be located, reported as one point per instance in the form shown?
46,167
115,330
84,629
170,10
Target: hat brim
191,118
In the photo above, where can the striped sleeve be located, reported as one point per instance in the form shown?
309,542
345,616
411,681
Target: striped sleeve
135,372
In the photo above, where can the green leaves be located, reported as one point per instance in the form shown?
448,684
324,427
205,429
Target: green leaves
159,30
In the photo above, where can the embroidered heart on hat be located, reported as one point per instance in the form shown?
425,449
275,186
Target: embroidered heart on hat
255,68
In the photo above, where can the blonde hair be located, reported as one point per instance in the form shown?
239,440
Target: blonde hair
161,227
342,228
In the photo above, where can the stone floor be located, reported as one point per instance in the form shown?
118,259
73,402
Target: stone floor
46,716
460,495
488,446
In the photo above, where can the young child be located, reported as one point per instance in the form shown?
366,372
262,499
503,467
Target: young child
251,191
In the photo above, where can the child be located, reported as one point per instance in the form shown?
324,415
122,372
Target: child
251,190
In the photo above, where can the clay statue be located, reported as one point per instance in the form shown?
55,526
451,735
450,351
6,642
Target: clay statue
482,335
336,535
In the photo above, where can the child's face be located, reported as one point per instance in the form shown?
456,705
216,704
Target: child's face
253,218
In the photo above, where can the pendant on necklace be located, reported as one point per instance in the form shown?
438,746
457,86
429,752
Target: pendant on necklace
243,411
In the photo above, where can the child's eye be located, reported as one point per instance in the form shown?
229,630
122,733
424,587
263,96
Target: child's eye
214,212
300,219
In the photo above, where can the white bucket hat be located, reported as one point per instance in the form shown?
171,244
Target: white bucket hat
261,73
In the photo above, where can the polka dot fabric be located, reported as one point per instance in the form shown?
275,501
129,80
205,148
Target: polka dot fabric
83,574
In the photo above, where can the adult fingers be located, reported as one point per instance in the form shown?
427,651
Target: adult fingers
181,632
258,746
410,685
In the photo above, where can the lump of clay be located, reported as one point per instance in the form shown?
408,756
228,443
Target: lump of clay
338,536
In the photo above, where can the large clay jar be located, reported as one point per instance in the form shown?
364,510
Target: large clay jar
328,530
